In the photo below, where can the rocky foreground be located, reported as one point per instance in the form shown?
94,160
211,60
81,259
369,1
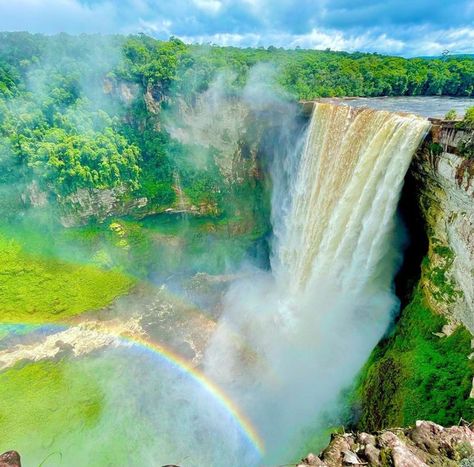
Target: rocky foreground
10,459
426,444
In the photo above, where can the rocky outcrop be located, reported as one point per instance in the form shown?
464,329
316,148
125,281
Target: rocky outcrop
34,196
125,91
10,459
223,125
423,445
445,189
86,204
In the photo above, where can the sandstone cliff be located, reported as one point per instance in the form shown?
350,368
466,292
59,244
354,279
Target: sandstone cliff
445,190
424,366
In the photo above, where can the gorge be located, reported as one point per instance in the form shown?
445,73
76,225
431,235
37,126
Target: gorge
226,277
329,297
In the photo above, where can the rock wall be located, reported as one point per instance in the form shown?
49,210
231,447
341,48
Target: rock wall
445,192
86,204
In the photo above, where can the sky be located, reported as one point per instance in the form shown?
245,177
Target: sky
398,27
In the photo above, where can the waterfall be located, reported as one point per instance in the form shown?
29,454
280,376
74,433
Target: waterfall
292,339
345,194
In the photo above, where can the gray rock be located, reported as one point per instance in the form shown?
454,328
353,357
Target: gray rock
445,190
423,445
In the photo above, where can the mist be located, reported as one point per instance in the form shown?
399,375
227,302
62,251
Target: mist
282,337
306,327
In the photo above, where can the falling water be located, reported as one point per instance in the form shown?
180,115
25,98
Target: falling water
345,194
292,339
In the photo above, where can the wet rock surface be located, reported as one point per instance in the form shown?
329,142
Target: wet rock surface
425,444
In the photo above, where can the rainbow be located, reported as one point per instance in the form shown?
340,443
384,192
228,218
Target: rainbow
239,417
219,395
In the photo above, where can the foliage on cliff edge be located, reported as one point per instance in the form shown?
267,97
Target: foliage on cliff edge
415,374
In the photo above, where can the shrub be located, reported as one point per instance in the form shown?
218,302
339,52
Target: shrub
451,115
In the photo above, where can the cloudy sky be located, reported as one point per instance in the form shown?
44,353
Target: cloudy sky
401,27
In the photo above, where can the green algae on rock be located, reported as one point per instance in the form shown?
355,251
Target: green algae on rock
34,289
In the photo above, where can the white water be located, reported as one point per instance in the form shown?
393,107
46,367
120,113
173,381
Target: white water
291,340
345,195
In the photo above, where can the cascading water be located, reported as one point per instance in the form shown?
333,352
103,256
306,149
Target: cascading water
345,195
292,339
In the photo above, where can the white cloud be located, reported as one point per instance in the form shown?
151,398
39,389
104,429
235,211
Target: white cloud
423,41
316,39
160,28
209,6
282,23
455,40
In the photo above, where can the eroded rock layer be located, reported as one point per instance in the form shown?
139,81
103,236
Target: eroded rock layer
444,171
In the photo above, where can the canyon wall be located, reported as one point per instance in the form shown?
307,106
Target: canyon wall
423,368
443,170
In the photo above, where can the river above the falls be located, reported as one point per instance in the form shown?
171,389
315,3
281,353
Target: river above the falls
426,106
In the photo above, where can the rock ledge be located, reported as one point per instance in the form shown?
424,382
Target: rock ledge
425,444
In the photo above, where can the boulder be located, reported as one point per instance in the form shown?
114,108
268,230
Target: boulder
423,445
10,459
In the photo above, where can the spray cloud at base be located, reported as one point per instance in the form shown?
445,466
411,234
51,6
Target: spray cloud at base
305,329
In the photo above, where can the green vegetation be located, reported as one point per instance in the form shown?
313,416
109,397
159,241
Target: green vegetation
49,409
39,290
466,145
451,115
442,287
86,412
469,117
416,375
72,112
40,402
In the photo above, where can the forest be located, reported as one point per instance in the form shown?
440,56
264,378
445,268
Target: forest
58,125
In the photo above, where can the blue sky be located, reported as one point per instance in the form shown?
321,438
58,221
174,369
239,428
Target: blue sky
400,27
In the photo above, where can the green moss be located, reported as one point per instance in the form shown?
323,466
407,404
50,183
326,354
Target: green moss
463,451
65,411
435,149
386,459
416,375
37,289
41,401
436,272
78,412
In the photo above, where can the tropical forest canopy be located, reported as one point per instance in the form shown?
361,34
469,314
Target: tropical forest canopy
59,124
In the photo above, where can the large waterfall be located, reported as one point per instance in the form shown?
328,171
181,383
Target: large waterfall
292,339
345,194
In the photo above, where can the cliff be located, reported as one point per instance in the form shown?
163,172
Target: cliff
445,192
202,157
423,368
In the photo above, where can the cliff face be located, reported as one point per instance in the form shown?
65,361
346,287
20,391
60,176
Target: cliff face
219,141
424,368
445,191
